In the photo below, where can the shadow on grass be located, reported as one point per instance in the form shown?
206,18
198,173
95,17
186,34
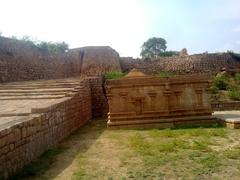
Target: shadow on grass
77,142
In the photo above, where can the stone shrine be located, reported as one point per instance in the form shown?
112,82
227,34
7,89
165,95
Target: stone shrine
138,100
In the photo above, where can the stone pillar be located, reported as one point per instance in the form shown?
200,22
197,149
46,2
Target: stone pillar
152,96
178,94
124,104
199,94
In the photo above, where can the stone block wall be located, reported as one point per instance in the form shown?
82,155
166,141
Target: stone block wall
44,128
100,107
98,60
21,61
198,63
226,106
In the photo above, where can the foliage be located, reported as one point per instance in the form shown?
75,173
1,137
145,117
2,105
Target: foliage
153,47
228,84
114,75
164,74
169,53
220,82
48,47
58,47
234,94
237,77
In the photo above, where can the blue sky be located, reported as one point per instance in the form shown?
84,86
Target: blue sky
198,25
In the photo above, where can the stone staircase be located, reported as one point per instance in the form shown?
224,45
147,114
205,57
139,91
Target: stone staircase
20,99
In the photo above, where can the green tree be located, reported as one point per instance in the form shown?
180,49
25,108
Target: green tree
153,48
50,47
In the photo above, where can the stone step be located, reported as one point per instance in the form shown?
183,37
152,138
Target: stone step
32,93
31,97
37,87
38,90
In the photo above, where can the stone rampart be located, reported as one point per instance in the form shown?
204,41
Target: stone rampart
21,61
198,63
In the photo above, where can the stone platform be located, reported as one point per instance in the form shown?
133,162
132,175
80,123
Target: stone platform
230,119
138,100
19,100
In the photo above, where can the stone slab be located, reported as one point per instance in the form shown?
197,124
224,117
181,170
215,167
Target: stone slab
230,119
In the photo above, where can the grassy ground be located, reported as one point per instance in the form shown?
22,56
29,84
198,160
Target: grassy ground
94,152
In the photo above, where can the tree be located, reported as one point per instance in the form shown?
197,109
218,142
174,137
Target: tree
153,48
50,47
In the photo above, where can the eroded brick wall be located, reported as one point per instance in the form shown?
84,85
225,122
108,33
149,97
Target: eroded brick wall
23,142
99,100
199,63
21,61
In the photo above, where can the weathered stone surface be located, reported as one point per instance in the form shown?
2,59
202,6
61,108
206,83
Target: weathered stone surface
21,61
28,127
183,52
230,119
198,63
159,102
96,60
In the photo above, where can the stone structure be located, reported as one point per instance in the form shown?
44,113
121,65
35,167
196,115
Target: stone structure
97,60
183,52
137,100
229,119
21,61
192,64
36,115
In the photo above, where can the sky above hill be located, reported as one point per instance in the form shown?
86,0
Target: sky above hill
198,25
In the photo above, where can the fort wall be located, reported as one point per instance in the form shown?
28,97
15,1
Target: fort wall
198,63
22,61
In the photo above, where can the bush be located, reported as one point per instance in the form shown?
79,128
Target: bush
234,94
164,74
237,77
114,75
220,83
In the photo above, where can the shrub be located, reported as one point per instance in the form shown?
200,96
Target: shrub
114,75
237,77
165,74
234,94
220,82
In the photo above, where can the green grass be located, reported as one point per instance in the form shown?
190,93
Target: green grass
164,74
40,165
237,78
182,153
114,75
